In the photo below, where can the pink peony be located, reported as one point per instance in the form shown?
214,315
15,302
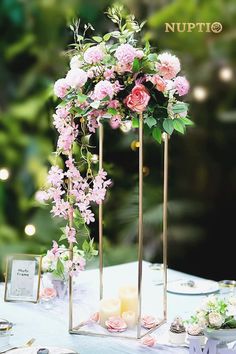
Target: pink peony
168,65
138,99
93,55
115,121
181,85
158,82
60,88
148,341
149,321
48,293
125,54
116,324
76,78
103,89
139,54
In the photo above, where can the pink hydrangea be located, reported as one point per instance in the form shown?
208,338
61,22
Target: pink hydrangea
62,112
93,55
115,121
76,78
125,53
181,85
103,89
60,88
168,65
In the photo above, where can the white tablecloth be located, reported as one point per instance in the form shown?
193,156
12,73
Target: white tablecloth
50,327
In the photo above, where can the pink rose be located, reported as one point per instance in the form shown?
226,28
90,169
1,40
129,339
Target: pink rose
149,321
60,88
148,341
138,99
48,293
116,324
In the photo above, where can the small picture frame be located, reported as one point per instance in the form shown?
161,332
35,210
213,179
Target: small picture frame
22,282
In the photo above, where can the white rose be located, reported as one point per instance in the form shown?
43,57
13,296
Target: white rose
194,330
215,319
201,318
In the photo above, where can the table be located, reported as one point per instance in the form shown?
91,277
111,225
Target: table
50,327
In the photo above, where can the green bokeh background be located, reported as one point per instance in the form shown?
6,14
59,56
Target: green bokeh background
202,188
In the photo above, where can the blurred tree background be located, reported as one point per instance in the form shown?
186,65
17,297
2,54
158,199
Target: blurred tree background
202,177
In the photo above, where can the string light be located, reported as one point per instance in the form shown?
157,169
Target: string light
226,74
4,174
200,93
134,145
30,230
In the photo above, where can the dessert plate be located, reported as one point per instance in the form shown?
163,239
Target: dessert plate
33,350
193,287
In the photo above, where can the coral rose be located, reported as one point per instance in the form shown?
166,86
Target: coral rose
138,99
116,324
149,341
149,322
48,293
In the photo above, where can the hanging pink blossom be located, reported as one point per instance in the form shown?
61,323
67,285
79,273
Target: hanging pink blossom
55,176
115,121
70,233
88,216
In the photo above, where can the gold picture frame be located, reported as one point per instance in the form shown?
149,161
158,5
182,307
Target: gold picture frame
22,279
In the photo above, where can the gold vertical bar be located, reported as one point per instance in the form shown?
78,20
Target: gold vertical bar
165,219
140,225
71,259
100,221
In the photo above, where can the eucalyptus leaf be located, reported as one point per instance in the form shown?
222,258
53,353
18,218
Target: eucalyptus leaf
168,126
152,57
180,107
150,121
179,126
157,134
187,121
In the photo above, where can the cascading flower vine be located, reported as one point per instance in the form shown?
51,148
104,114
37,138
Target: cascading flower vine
110,79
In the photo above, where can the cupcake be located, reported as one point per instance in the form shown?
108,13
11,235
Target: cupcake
195,331
177,332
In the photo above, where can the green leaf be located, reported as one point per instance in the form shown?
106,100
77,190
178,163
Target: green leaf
95,104
135,122
152,57
63,237
112,111
107,36
85,139
81,97
136,65
180,107
179,126
157,134
97,39
60,267
187,121
168,126
150,121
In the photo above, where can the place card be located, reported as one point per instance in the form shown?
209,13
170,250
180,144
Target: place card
23,278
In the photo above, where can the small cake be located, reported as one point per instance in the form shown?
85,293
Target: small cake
177,332
195,331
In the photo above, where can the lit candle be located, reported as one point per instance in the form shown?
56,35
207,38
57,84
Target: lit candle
130,318
129,299
108,308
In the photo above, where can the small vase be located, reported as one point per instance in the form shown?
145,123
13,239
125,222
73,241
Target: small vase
61,287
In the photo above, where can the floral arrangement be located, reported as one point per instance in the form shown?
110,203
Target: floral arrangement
216,312
112,79
57,262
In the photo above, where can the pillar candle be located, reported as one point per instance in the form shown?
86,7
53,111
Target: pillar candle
108,308
129,299
130,318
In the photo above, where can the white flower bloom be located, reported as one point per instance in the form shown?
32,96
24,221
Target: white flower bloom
215,319
75,62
